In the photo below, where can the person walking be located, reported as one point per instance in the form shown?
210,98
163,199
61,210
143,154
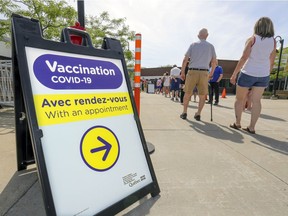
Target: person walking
201,54
175,82
158,85
166,84
214,84
254,69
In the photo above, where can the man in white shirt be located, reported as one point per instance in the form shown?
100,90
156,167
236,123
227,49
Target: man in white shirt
175,82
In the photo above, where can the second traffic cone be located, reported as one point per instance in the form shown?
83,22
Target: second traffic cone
224,93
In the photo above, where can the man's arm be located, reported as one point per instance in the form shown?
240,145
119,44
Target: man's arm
184,64
213,66
220,77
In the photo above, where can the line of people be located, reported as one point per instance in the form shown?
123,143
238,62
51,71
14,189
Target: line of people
172,86
251,75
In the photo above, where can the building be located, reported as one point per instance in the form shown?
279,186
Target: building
6,84
5,50
227,65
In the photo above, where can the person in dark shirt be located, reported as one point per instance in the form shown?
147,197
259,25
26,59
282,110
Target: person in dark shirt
214,84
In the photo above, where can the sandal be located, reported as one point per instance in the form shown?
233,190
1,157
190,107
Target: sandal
237,127
248,130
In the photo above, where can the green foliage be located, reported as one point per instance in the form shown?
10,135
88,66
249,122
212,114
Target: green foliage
54,15
102,26
7,7
283,69
267,93
281,75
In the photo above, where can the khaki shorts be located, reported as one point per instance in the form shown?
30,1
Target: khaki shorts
198,79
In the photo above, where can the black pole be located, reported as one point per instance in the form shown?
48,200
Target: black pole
81,13
278,69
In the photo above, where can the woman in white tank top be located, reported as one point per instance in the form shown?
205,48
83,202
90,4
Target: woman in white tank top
254,66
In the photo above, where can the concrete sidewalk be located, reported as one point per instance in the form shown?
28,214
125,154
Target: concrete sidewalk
203,168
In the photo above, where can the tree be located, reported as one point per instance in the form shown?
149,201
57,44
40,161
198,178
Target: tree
53,15
102,26
283,69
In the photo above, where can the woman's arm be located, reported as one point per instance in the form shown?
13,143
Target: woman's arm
243,59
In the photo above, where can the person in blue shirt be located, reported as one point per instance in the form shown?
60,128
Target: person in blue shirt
214,84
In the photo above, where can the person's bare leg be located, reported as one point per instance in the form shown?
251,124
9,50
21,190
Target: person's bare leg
176,95
241,93
173,94
200,104
256,107
186,99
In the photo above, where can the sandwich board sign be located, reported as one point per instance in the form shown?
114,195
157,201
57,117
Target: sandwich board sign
86,135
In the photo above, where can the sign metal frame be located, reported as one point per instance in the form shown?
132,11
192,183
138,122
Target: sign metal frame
27,33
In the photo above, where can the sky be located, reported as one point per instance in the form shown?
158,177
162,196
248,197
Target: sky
168,27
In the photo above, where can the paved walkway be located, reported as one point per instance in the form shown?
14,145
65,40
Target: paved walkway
203,168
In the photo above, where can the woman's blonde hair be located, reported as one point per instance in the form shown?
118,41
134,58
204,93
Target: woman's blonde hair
264,27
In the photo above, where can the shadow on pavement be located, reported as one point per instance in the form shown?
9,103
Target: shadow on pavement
271,117
144,207
7,120
272,144
16,188
264,116
217,131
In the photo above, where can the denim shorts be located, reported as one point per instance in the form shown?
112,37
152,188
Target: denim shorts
175,84
245,80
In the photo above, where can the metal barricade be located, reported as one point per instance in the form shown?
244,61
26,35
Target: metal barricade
6,83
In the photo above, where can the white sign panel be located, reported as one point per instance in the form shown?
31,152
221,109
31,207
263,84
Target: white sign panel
92,147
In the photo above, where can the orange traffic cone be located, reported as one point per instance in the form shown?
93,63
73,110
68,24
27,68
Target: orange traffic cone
224,93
